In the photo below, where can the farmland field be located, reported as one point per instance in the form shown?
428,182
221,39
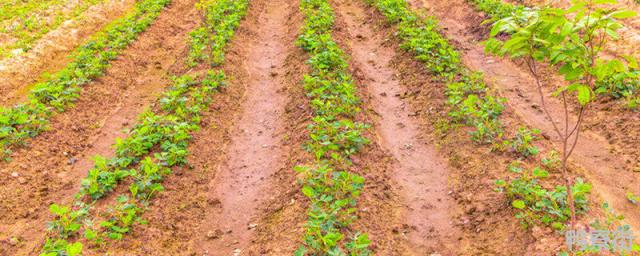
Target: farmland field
319,127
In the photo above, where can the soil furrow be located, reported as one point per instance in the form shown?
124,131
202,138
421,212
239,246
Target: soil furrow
50,53
256,150
419,173
279,229
50,169
593,152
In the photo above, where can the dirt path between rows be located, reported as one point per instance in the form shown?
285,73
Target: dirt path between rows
50,53
421,176
50,169
605,170
256,150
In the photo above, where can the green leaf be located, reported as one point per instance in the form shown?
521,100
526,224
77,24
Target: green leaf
612,33
601,90
308,191
58,210
566,29
115,236
74,249
623,14
301,251
89,234
631,62
584,95
570,73
606,2
540,173
518,204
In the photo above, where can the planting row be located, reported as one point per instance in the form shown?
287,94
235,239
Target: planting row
13,9
158,142
222,17
334,137
472,104
25,23
61,89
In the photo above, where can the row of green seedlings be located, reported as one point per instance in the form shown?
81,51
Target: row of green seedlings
144,158
329,184
27,27
204,46
61,89
11,10
473,105
619,79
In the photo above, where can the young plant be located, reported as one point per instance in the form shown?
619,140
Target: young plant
67,220
572,40
61,247
522,142
536,204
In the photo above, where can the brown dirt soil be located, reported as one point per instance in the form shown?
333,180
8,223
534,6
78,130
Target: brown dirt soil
50,168
420,175
256,151
280,226
594,154
50,53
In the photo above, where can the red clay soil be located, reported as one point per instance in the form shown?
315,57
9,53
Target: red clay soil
419,174
610,173
50,169
50,53
279,228
256,151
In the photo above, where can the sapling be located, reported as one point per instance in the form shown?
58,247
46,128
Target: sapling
571,39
